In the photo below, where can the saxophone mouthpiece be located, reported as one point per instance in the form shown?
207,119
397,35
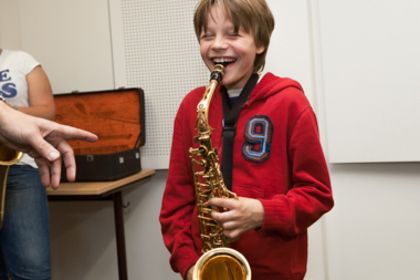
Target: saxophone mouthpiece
217,73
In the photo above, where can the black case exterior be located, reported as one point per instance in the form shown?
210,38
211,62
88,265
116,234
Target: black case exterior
107,166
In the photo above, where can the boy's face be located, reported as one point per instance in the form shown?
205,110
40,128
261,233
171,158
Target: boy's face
236,51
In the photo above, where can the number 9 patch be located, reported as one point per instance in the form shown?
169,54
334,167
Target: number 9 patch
258,132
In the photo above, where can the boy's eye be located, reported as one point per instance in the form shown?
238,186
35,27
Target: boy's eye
205,36
233,33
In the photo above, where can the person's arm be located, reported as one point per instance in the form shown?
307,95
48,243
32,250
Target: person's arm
310,195
41,101
44,140
178,202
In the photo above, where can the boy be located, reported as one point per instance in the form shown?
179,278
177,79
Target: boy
278,168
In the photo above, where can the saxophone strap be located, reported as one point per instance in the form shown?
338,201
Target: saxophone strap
231,114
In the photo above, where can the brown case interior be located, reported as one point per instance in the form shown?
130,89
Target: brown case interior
115,116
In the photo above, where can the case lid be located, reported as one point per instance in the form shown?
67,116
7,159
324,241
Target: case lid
116,116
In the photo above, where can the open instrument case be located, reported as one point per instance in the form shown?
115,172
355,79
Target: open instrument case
117,117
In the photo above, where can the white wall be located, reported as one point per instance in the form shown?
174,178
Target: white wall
369,53
372,233
9,25
72,41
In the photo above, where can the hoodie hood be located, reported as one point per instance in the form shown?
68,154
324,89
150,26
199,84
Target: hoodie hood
270,85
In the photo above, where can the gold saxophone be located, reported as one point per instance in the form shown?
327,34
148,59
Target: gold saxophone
218,261
8,157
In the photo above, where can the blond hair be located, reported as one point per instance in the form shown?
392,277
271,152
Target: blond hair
254,16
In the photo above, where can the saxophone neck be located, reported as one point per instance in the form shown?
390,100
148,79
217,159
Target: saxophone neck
207,96
216,77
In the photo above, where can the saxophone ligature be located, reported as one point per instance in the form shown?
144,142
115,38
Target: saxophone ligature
8,157
218,260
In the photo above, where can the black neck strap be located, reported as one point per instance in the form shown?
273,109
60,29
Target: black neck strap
231,114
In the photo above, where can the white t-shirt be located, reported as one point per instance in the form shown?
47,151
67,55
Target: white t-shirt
14,67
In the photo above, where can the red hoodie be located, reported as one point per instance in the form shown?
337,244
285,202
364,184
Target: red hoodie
278,159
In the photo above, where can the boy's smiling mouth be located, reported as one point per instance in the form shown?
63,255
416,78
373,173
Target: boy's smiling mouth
225,61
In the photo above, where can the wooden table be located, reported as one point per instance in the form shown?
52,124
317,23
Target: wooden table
106,190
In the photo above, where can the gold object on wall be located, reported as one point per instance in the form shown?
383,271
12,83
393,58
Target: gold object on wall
218,261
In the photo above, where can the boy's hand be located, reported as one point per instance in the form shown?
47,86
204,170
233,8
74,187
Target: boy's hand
243,214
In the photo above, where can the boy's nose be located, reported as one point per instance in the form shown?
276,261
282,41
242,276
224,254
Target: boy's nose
219,42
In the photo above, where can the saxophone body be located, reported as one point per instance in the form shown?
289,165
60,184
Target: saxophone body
8,157
218,261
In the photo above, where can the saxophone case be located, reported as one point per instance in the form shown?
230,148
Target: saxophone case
117,117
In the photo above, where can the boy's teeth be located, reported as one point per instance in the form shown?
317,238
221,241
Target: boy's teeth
224,62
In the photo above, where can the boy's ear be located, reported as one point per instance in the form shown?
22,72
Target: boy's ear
260,49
